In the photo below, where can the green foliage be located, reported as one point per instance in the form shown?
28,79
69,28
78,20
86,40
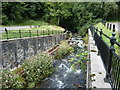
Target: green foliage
4,19
54,11
38,68
12,80
85,39
34,70
110,11
73,16
82,57
64,49
84,29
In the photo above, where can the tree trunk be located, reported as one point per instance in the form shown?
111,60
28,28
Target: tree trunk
58,20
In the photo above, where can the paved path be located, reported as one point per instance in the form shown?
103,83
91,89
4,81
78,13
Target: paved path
117,26
13,28
98,72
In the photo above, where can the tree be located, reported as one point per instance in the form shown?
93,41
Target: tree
56,11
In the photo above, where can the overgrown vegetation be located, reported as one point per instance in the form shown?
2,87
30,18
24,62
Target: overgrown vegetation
82,57
30,73
64,49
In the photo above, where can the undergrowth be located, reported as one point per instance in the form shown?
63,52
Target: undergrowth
33,71
64,49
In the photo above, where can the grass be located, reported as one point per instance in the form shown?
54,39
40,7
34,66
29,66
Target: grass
108,32
37,28
29,33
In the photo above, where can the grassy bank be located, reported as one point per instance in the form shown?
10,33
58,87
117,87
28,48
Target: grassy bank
37,28
108,32
29,33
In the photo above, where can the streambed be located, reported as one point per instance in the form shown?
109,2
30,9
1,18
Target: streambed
64,75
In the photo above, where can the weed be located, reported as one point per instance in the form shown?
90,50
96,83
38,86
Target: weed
64,49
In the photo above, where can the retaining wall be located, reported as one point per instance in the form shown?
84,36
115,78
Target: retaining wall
15,51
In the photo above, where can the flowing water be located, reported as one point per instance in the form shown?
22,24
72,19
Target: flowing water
64,75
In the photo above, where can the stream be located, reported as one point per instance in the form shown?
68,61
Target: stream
64,75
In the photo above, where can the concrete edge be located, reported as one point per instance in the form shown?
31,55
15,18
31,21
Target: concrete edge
88,82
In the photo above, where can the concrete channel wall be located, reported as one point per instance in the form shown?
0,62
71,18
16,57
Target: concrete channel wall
15,51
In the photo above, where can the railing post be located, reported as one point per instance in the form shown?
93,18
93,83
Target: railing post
113,28
91,29
112,41
110,26
30,33
20,33
48,32
101,32
107,25
96,29
37,33
6,31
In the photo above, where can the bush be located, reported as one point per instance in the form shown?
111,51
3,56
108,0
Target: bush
39,68
34,70
84,29
64,49
11,80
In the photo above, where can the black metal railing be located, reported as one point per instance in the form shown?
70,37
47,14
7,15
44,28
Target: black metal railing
110,59
10,34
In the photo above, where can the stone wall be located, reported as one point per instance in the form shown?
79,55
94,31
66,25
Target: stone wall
15,51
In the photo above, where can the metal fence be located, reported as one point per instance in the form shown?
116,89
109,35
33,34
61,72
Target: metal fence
10,34
110,59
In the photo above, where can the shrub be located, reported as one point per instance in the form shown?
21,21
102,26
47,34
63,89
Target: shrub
39,68
84,29
34,70
12,80
64,49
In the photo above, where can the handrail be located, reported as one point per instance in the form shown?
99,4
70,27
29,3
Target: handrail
109,57
115,42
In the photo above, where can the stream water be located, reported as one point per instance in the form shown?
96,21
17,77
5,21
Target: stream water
64,76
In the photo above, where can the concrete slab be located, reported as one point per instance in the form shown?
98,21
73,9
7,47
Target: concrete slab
98,72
